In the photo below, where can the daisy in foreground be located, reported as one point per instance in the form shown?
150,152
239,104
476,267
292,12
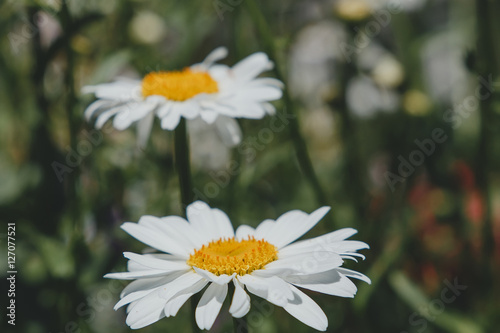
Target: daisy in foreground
207,251
214,92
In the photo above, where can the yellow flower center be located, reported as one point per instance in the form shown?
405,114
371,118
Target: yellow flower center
228,256
178,85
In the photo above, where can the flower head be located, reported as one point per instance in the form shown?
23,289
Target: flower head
207,251
214,92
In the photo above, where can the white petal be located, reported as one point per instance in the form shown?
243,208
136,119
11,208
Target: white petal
133,266
210,304
212,224
270,109
176,302
260,93
106,115
95,106
132,297
144,129
229,131
342,234
220,73
214,56
273,289
173,306
169,118
306,310
240,305
154,239
189,109
332,242
155,263
223,224
243,108
136,274
183,230
251,66
175,229
133,112
218,107
177,286
146,283
118,91
244,232
330,282
124,118
263,228
141,288
208,116
292,225
306,263
146,311
266,81
131,306
164,109
354,274
218,279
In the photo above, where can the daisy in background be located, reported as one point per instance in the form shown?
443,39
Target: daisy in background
216,93
206,251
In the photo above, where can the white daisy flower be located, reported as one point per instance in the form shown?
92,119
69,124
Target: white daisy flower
206,251
214,92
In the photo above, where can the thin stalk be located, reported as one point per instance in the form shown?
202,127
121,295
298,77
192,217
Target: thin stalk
240,325
485,67
182,164
184,172
298,141
69,81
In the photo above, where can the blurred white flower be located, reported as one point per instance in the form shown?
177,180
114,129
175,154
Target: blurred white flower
207,251
404,5
207,149
388,72
365,98
49,27
147,28
416,103
312,61
395,6
353,10
207,90
383,67
443,66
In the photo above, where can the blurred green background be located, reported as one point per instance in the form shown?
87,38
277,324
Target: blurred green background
396,101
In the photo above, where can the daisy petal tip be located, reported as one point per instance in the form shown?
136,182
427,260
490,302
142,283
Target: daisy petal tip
217,54
126,226
326,209
321,212
221,52
270,65
88,89
129,255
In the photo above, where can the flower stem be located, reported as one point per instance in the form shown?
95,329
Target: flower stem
182,163
298,141
67,23
240,325
486,66
184,172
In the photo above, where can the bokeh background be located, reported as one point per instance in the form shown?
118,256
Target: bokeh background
369,82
